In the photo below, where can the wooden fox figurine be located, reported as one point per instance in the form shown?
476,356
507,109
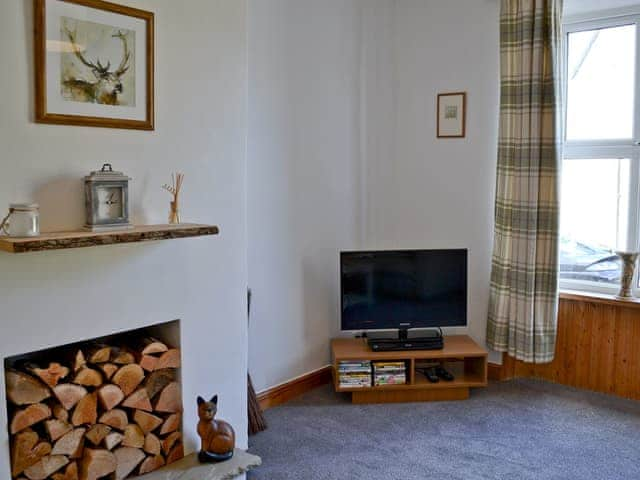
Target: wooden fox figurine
218,437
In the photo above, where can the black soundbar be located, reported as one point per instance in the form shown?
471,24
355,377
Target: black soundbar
395,344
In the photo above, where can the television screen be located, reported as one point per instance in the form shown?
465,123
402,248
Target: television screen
403,289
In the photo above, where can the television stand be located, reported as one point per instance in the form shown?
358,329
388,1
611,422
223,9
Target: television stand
461,356
430,340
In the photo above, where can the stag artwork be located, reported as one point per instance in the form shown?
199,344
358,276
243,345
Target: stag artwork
91,72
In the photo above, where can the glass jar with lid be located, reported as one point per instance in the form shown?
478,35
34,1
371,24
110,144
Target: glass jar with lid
23,220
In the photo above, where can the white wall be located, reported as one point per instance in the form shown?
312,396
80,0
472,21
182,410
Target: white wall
54,298
581,7
343,154
303,184
438,193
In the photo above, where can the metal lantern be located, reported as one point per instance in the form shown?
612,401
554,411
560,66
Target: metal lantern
107,200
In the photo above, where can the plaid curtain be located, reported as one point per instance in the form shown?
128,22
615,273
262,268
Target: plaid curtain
523,303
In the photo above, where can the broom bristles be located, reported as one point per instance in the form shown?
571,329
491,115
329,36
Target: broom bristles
257,422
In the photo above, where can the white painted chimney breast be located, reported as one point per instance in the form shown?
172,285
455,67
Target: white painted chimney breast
54,298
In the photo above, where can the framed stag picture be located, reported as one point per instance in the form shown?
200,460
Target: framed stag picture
452,115
94,64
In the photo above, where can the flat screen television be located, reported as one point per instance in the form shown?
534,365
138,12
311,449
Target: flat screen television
403,289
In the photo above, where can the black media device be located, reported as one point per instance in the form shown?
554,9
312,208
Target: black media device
402,290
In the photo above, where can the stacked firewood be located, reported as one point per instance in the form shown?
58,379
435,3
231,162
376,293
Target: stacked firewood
108,411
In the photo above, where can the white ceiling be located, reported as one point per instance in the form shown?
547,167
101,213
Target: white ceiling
577,7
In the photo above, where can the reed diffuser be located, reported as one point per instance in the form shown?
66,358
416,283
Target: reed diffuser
174,189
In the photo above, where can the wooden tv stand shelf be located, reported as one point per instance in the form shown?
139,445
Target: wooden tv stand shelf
461,356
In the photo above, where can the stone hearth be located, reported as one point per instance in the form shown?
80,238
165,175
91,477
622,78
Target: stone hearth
190,469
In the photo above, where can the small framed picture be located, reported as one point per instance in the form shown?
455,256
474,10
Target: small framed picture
452,114
94,63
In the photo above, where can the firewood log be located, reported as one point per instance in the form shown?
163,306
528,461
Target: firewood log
169,359
100,354
169,442
27,450
97,464
128,378
112,440
152,444
86,411
133,436
79,361
122,356
29,416
57,428
69,395
110,396
138,399
171,424
151,345
71,473
146,421
108,369
176,454
170,399
23,389
158,380
128,459
70,444
60,412
97,433
149,363
50,375
88,377
46,467
115,418
151,464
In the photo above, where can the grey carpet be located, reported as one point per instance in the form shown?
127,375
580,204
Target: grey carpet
518,430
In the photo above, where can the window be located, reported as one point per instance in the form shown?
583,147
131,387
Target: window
599,189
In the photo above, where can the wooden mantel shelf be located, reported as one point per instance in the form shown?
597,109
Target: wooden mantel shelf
83,238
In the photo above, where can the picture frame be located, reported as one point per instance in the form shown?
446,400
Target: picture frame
451,115
94,64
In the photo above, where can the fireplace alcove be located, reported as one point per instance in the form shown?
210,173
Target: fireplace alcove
109,405
69,325
158,453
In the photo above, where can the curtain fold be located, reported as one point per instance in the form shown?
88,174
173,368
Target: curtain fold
523,302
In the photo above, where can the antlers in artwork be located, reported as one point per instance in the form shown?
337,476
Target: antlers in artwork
108,85
99,69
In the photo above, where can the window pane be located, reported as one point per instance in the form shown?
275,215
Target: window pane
593,218
600,78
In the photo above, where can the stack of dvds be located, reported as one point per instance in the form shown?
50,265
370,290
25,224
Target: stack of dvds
354,374
389,373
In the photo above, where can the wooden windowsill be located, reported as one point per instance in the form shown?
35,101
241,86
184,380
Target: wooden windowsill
601,298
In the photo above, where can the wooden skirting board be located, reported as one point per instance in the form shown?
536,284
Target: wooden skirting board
495,372
284,392
597,348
